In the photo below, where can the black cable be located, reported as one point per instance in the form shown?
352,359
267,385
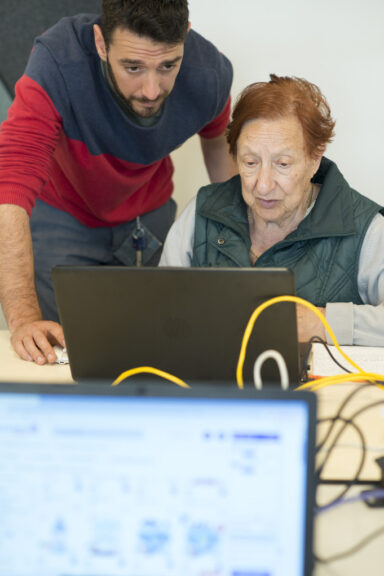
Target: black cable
357,482
345,402
346,422
374,497
318,340
350,551
338,414
305,365
349,483
367,407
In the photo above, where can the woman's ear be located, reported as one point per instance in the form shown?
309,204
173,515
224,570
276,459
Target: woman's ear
318,154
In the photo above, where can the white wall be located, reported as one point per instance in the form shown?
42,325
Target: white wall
337,44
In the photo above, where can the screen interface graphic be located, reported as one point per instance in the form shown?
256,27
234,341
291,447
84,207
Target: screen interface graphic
101,486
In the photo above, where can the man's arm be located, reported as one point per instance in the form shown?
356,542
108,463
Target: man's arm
218,161
31,337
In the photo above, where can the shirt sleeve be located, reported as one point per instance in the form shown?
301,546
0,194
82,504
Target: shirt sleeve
363,325
218,125
28,140
178,246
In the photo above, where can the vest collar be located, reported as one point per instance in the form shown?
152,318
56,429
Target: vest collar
227,207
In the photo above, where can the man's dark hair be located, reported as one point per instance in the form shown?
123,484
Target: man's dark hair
164,21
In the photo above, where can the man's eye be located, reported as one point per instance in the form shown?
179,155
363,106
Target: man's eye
132,69
167,67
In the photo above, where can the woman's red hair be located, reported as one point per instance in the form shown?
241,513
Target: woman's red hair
284,96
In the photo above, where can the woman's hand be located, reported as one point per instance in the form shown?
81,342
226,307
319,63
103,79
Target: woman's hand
308,324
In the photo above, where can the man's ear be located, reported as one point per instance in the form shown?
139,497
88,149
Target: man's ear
189,26
99,42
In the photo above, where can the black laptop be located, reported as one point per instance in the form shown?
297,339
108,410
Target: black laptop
153,480
186,321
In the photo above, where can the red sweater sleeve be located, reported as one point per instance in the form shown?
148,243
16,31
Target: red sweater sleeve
219,124
27,143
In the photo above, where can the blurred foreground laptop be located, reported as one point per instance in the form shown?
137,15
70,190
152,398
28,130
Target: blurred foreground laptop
155,481
187,321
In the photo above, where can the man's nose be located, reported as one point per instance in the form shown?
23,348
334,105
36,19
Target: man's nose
151,88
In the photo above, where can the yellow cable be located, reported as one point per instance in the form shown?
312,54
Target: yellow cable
256,314
340,378
329,379
150,370
314,385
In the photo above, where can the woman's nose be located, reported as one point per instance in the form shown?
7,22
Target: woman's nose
265,182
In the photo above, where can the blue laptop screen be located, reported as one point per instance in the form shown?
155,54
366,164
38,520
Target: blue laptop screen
144,486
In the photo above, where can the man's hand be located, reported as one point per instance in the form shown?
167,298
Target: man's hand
308,324
34,341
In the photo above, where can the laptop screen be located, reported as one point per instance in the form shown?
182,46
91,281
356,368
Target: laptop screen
166,484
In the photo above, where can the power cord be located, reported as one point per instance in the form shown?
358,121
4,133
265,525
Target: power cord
364,496
318,340
351,422
348,484
339,413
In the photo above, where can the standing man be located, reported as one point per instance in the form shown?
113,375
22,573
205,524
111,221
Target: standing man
84,154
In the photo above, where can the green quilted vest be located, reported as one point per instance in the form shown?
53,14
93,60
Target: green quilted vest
323,251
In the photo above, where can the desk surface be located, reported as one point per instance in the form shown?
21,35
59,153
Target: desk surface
341,528
336,530
340,466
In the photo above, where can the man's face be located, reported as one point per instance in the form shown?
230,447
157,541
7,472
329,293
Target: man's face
142,71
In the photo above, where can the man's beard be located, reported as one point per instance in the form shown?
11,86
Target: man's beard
143,112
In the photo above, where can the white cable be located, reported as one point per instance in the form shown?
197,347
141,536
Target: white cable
274,355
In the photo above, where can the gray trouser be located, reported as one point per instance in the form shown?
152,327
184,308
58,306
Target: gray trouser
60,239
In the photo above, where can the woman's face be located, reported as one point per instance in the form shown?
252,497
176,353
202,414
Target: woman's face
275,170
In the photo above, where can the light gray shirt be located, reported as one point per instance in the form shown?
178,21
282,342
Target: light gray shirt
353,324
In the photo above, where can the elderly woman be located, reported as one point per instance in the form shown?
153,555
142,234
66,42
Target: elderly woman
291,207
